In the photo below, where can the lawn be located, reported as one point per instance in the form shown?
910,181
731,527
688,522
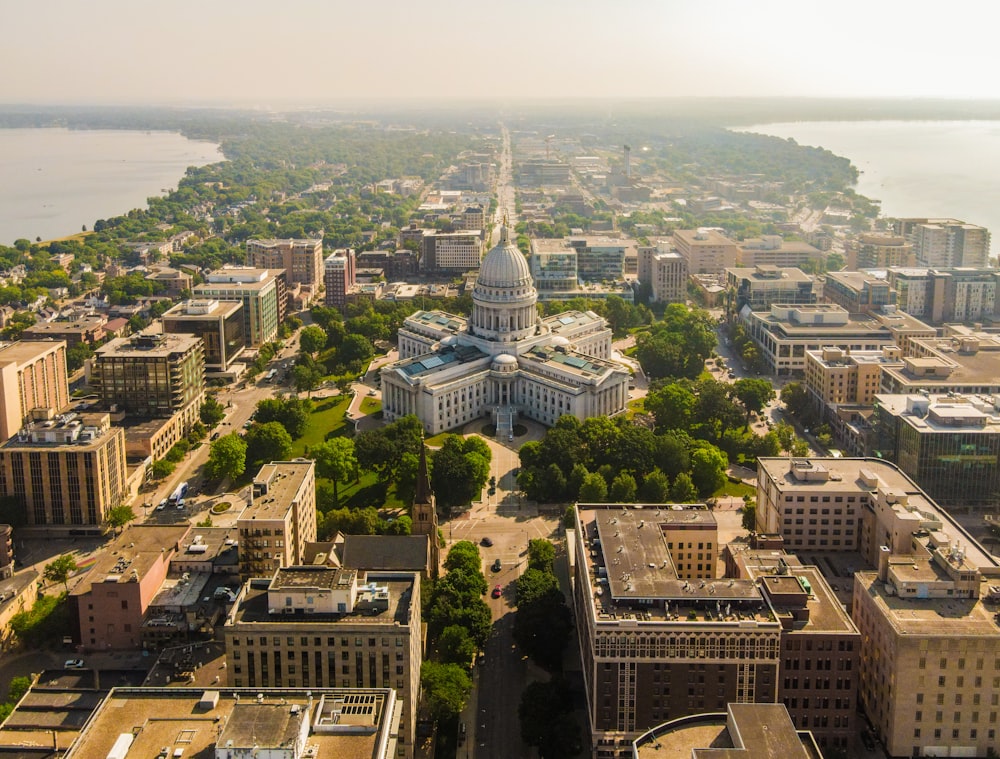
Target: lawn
637,406
370,406
326,420
735,489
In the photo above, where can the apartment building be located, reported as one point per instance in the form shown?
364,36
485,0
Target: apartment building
706,251
231,723
948,444
326,627
668,278
32,376
763,285
946,295
150,375
654,645
787,331
858,292
875,251
302,260
772,250
949,242
88,330
339,273
280,520
263,293
108,604
66,472
836,377
219,324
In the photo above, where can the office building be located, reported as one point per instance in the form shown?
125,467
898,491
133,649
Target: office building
66,472
875,251
537,172
949,445
150,375
339,274
835,376
772,250
472,219
280,520
302,260
668,278
706,251
236,723
786,332
760,731
263,293
503,361
32,376
220,326
398,265
962,360
88,330
656,646
858,292
946,295
451,252
326,627
763,285
108,604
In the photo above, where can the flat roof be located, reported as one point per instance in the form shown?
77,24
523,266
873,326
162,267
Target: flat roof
825,611
148,346
979,367
221,308
26,351
136,550
764,274
352,722
285,480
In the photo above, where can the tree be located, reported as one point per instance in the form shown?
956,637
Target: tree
546,716
655,488
672,406
306,378
162,468
336,461
60,569
708,469
754,394
456,646
119,516
77,355
291,413
355,349
313,339
267,442
541,554
212,412
533,584
749,520
683,490
227,457
542,627
796,399
594,489
623,489
460,469
464,556
445,687
17,688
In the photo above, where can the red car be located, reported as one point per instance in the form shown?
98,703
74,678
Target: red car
497,591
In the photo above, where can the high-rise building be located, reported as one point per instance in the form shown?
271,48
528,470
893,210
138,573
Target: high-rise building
219,324
32,376
325,627
66,472
873,251
263,292
946,242
947,295
858,292
835,376
150,375
706,251
668,278
763,285
302,260
773,250
657,642
338,276
451,251
280,520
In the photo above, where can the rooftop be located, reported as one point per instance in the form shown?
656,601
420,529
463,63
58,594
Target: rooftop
345,723
275,487
238,278
199,308
146,345
65,430
951,362
25,351
386,552
431,363
131,555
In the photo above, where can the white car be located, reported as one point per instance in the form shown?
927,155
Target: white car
162,505
180,504
73,664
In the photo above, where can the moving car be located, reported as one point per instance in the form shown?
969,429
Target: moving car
78,663
497,566
162,505
497,591
486,542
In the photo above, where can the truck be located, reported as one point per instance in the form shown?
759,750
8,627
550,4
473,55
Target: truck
179,493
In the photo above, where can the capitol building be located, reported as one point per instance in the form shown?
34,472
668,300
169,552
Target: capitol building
504,362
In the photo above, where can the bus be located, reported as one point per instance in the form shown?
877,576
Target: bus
179,492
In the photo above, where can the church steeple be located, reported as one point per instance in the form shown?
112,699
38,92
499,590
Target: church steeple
423,512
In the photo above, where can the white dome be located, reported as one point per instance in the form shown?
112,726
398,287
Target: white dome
504,358
504,266
559,342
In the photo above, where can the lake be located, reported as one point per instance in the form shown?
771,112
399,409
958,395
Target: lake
57,180
916,168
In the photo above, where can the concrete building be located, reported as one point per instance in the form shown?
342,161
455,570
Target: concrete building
949,445
706,251
947,295
668,278
772,250
150,375
234,723
763,285
949,242
451,252
339,272
960,361
396,264
302,260
220,326
761,731
472,219
875,251
88,330
263,293
538,172
858,292
784,334
655,645
835,376
66,472
108,604
32,376
504,360
280,520
176,282
325,627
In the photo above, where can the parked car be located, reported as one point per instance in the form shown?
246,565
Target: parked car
162,505
497,591
78,663
497,565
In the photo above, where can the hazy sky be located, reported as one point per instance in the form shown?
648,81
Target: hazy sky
262,52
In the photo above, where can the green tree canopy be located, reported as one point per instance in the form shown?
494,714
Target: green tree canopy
444,688
60,569
683,490
456,646
292,413
460,470
227,457
267,442
335,460
212,412
541,554
312,339
594,489
119,516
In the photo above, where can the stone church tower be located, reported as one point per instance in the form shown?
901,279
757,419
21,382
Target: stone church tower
423,512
